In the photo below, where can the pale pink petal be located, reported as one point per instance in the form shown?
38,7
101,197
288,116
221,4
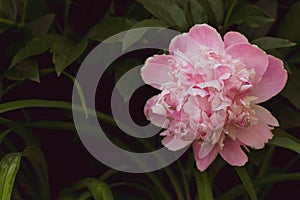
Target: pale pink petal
232,153
207,36
251,56
157,115
273,80
184,44
175,143
232,38
265,116
203,163
156,71
150,102
255,136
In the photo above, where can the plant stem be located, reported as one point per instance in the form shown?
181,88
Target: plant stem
67,10
24,9
230,12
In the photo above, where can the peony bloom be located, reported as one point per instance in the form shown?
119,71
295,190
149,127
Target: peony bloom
210,89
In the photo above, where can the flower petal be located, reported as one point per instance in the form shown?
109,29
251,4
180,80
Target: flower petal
255,136
207,36
156,71
251,56
203,163
232,38
232,153
175,143
273,80
265,116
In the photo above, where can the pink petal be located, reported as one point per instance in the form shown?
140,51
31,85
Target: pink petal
156,71
232,153
251,56
175,143
184,44
265,116
157,115
255,136
203,163
232,38
207,36
273,80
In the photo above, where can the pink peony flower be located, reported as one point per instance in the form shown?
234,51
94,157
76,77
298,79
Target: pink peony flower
210,89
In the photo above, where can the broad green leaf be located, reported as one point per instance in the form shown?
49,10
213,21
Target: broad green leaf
250,14
210,12
267,43
109,27
130,39
289,27
246,180
25,70
36,9
166,10
38,163
285,143
204,189
291,88
197,12
39,26
35,47
217,7
8,9
66,52
9,166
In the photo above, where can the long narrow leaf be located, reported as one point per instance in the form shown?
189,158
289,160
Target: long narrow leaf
246,180
9,167
203,186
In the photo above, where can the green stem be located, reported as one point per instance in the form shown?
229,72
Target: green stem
230,12
9,22
67,10
23,16
266,162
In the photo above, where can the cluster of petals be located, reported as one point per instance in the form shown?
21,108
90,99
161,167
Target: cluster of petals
210,91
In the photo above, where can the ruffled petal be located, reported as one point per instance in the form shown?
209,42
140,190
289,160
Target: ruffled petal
175,143
232,153
232,38
156,71
251,56
255,136
265,116
203,163
272,82
207,36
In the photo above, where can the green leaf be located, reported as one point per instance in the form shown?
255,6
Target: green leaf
285,143
267,43
39,26
250,14
291,88
66,52
246,180
280,133
99,189
217,7
166,10
4,134
35,47
109,27
197,12
9,166
130,39
8,9
25,70
203,186
289,27
80,92
38,163
38,103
